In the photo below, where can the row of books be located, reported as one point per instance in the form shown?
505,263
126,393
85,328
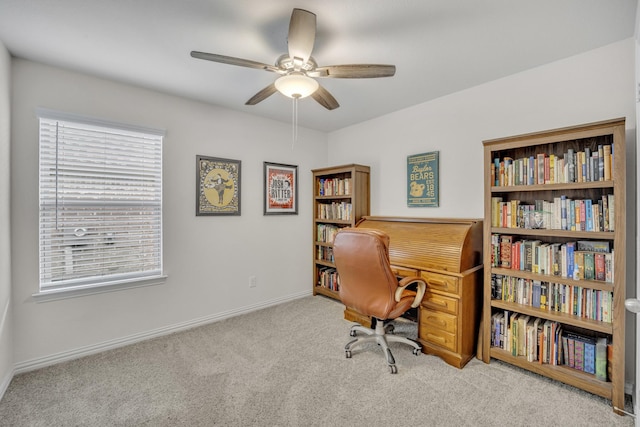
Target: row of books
546,342
532,337
327,233
579,301
342,211
334,186
325,253
582,166
580,260
328,278
562,213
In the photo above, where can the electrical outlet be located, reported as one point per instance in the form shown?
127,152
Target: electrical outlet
253,281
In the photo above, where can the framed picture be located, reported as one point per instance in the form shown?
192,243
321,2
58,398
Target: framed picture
280,189
217,186
422,180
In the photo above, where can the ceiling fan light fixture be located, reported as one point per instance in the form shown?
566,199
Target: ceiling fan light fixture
296,85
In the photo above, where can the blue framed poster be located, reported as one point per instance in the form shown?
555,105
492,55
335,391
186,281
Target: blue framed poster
422,180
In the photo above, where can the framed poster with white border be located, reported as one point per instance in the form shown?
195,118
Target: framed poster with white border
280,189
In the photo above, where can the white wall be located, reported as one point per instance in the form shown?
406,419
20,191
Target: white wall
6,326
208,259
596,85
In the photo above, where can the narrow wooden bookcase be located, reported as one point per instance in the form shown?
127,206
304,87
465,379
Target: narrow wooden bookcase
340,199
523,211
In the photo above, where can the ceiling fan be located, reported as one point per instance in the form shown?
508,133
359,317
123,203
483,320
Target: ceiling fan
298,68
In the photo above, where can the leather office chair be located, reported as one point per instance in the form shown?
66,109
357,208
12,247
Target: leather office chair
368,285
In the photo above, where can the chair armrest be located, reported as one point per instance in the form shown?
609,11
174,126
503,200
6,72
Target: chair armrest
406,281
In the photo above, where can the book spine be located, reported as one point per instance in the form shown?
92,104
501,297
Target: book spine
600,159
601,359
563,212
589,365
571,343
571,165
540,159
579,355
588,215
589,266
600,269
607,162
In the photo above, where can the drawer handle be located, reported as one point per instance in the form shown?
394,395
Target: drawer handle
436,338
438,302
439,283
436,320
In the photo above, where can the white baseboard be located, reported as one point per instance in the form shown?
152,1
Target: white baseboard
4,384
41,362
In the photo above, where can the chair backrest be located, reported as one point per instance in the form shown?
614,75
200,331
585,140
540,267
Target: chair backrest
367,283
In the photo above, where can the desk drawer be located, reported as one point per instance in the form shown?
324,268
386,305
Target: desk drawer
437,302
440,338
404,272
442,283
432,320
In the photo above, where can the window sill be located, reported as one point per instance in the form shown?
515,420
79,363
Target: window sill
96,288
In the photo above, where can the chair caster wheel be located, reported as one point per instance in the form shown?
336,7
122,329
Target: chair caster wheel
347,354
393,369
416,351
352,333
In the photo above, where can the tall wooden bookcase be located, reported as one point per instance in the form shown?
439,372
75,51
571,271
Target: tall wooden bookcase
516,216
340,199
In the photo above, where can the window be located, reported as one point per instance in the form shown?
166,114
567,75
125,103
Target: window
100,203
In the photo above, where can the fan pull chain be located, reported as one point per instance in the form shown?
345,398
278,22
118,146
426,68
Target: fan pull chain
295,120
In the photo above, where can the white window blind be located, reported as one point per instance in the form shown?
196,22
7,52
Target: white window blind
100,204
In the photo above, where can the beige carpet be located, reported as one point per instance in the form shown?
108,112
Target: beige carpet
285,366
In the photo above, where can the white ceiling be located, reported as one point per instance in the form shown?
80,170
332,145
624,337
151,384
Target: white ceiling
438,46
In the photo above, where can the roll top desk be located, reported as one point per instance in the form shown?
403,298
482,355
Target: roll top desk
447,253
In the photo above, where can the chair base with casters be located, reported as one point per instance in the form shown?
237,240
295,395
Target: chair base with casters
382,335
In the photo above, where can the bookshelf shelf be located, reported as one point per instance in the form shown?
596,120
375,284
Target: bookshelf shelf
563,374
596,235
319,290
555,201
547,187
335,197
564,318
334,221
340,199
325,263
591,284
